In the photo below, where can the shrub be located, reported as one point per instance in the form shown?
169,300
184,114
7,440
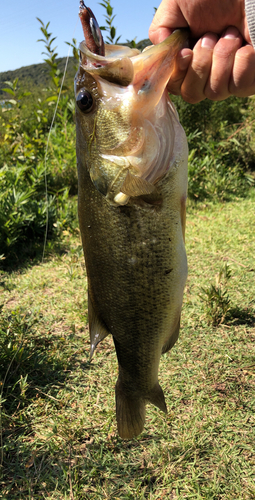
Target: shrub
25,213
215,298
222,156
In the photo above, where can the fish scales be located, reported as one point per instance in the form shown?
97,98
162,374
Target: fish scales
131,277
133,244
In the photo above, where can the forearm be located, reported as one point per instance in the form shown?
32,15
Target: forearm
250,15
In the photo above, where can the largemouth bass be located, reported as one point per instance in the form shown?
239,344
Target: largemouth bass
132,177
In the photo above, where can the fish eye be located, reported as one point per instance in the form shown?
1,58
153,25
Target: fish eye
84,101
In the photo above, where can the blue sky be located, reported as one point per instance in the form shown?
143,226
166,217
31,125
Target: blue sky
19,28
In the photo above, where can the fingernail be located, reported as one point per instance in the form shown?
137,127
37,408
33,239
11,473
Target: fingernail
209,41
231,33
184,61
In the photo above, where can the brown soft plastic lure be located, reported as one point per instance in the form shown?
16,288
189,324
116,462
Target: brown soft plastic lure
92,33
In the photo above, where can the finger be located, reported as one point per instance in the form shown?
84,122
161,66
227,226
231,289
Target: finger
217,87
168,17
192,89
201,17
242,83
182,63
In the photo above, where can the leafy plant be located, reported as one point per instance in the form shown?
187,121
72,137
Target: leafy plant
216,299
24,212
73,45
222,156
112,37
51,58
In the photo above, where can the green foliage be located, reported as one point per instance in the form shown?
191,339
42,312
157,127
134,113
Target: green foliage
216,299
36,77
222,155
24,211
112,31
220,136
132,43
73,44
51,54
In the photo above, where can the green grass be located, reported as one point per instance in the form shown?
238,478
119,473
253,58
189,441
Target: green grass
59,437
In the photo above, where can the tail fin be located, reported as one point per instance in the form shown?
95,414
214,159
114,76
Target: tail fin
130,411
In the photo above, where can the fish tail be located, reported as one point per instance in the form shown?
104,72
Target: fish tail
130,413
130,410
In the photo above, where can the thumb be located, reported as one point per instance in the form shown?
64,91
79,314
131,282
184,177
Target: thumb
167,18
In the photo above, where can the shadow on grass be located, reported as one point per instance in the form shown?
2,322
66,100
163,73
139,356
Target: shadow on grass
32,254
106,465
34,365
238,316
81,475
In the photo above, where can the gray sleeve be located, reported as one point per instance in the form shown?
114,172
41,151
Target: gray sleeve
250,14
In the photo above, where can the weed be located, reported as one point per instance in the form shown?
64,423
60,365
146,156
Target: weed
111,38
215,297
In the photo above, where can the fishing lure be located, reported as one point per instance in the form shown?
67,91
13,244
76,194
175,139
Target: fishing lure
91,30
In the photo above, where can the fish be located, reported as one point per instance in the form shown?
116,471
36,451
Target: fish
132,187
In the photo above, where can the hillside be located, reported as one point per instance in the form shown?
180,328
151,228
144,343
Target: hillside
38,74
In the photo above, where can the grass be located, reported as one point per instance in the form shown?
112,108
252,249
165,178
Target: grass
59,437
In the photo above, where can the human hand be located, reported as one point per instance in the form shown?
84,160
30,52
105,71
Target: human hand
218,66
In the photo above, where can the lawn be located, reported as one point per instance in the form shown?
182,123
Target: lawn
58,429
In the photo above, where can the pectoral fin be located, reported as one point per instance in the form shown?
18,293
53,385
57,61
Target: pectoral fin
97,329
136,186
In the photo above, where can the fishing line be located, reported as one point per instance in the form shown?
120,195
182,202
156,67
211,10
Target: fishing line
47,145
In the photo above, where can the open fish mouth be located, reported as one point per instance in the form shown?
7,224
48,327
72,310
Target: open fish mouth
148,71
130,88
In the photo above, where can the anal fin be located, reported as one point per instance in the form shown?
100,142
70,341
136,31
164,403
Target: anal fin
97,329
157,398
